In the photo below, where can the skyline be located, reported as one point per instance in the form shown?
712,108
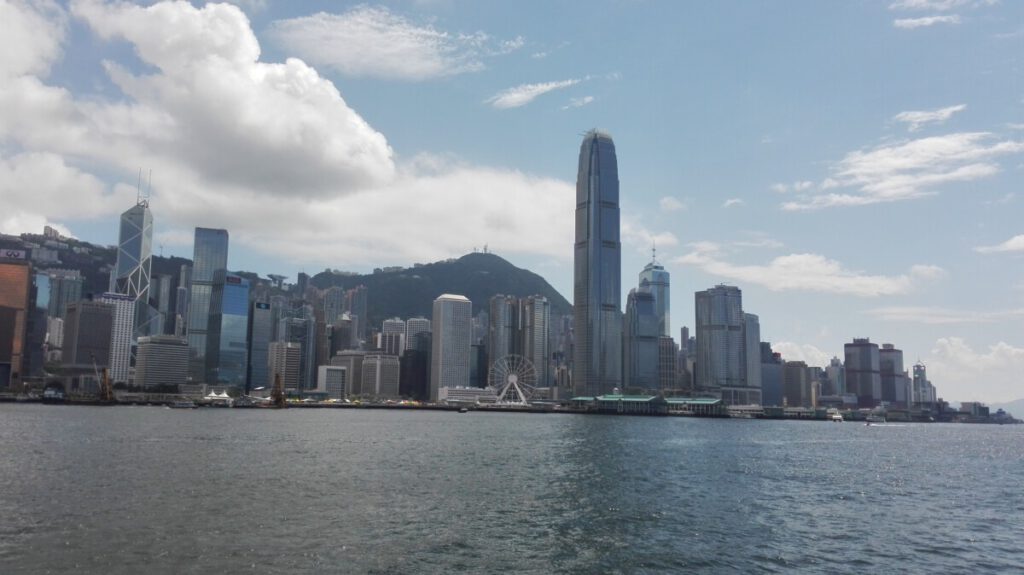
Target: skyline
860,189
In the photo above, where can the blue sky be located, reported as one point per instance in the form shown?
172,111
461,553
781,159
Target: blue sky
854,167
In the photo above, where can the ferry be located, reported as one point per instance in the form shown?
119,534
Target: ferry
834,416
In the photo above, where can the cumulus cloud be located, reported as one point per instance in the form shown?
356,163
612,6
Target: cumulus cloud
523,94
732,202
908,170
915,120
270,151
941,316
964,373
671,204
935,5
806,353
1014,244
32,37
634,233
925,21
374,41
805,272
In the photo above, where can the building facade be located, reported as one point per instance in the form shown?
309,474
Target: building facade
284,359
210,255
597,270
161,360
227,347
261,333
451,339
381,375
656,279
15,305
721,362
122,328
863,372
131,274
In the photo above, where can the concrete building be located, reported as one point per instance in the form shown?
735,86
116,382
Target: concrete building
380,377
451,340
536,330
722,346
284,360
161,360
668,352
797,385
414,326
15,306
597,270
896,385
87,330
333,380
352,361
771,376
863,372
122,328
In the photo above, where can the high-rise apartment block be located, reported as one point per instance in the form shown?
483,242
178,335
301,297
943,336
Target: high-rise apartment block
597,270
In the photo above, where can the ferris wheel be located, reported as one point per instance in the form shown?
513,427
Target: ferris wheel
513,379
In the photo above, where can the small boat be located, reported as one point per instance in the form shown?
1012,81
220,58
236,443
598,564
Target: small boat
463,410
182,405
834,416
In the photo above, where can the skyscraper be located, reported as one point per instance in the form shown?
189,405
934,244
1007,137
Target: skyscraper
227,352
657,280
125,307
131,275
414,326
863,372
15,304
162,360
597,276
536,328
261,333
640,342
210,254
451,339
721,361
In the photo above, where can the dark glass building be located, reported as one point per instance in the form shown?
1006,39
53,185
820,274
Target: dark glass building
597,275
261,333
227,350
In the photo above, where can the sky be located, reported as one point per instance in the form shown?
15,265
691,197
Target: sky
854,167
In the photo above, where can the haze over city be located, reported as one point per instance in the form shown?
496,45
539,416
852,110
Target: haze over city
850,187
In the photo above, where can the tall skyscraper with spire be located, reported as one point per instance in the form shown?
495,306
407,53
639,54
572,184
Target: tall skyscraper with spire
657,281
597,317
131,274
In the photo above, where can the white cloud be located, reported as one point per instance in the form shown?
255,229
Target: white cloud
1002,200
375,42
941,316
731,202
801,186
32,37
1014,244
523,94
806,353
925,21
634,233
578,102
671,204
805,272
270,151
964,374
936,5
915,120
909,169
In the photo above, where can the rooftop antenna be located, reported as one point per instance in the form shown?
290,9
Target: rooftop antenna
138,189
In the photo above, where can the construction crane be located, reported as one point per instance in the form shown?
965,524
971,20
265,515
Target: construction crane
106,391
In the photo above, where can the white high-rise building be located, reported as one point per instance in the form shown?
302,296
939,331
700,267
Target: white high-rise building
414,326
451,340
333,380
121,334
284,359
392,336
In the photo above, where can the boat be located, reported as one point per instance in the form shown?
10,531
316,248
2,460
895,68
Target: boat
186,404
875,418
835,417
463,410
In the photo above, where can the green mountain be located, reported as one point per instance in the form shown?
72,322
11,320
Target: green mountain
411,291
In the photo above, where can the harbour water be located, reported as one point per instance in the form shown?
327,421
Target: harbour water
155,490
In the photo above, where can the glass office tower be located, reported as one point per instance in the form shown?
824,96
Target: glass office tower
210,255
227,350
131,275
597,317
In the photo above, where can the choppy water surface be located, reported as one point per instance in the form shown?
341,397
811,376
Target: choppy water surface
152,490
